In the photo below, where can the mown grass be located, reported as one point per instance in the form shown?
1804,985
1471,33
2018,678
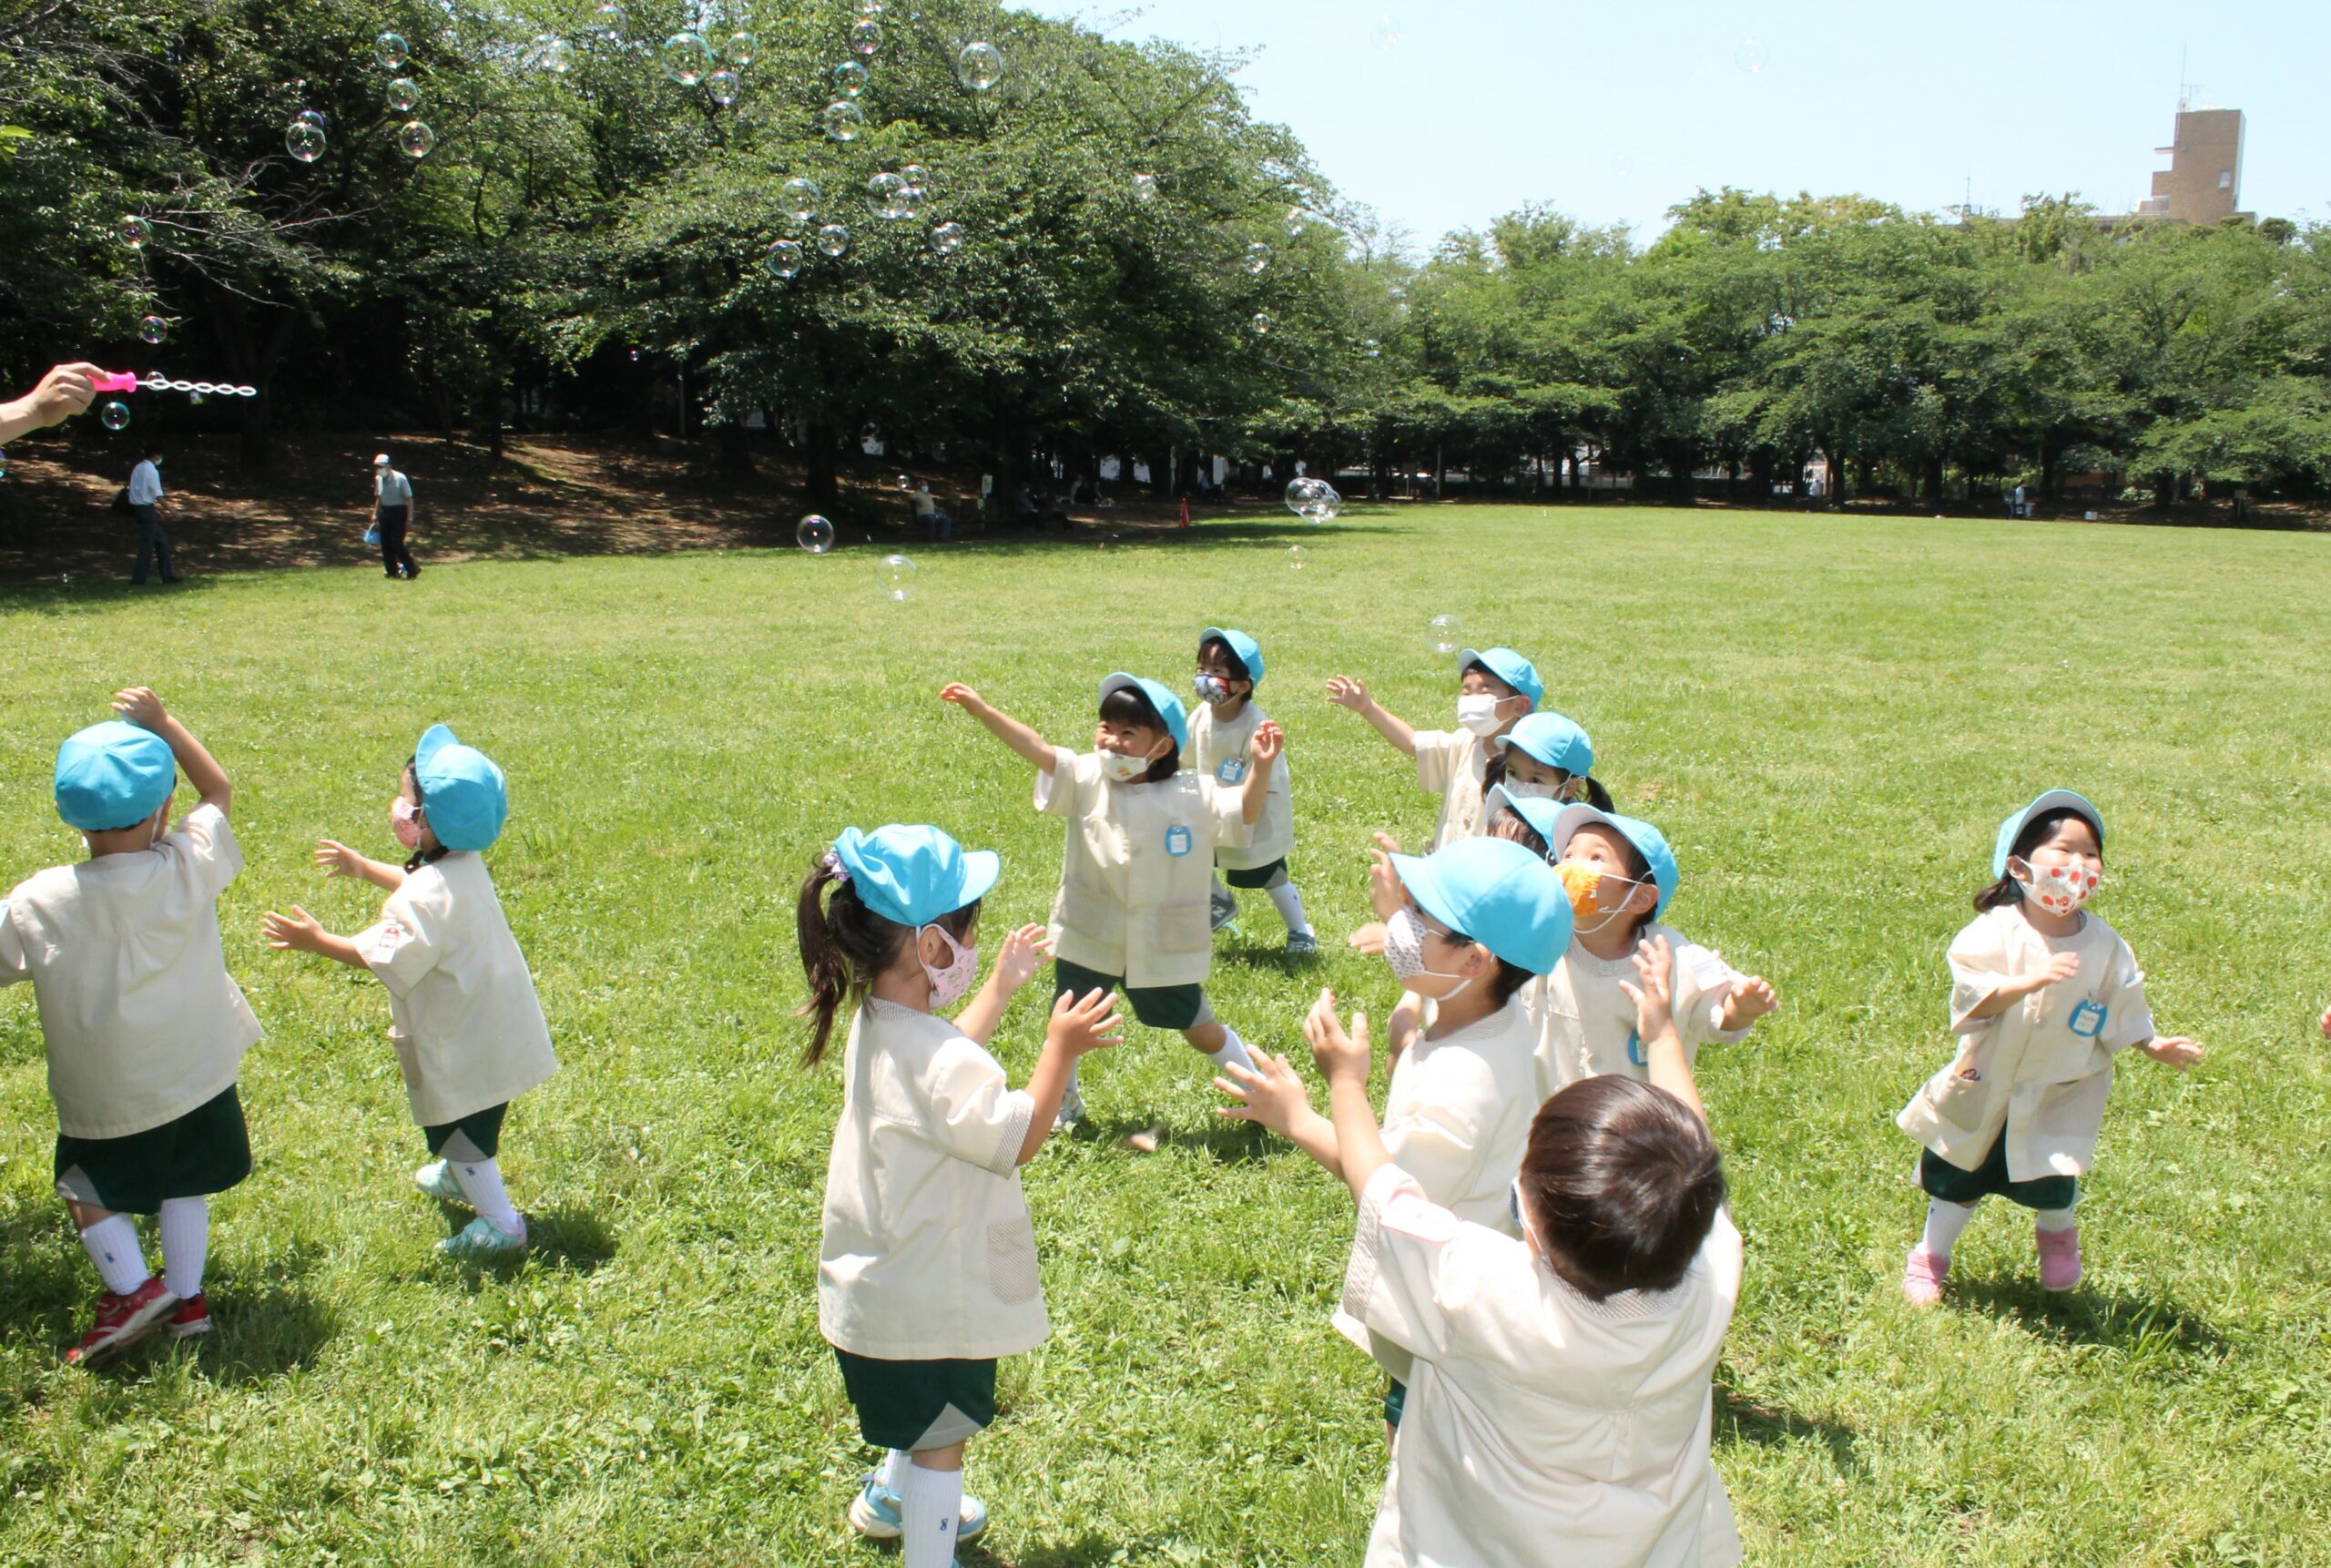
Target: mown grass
1827,719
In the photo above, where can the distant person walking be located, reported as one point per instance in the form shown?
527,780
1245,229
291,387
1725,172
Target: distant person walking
392,515
2021,508
144,504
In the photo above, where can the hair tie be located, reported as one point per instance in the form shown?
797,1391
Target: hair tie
832,863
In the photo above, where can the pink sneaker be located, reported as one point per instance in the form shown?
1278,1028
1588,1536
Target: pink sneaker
2059,1257
1922,1278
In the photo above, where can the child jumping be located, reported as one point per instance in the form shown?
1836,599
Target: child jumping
1495,689
1132,906
927,1268
1230,666
466,1024
145,1028
2044,997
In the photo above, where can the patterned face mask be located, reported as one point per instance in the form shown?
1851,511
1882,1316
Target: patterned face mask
1585,885
1125,770
2059,890
948,984
1211,687
404,822
1404,936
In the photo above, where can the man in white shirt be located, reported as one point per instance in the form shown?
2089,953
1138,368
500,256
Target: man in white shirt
145,503
392,515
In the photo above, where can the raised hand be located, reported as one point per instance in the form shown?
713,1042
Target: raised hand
1655,997
962,696
1083,1025
138,704
1750,1000
1272,1096
298,931
1024,951
1336,1052
1348,691
338,859
1270,741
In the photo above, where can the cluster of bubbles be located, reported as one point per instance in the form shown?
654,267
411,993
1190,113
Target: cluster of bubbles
1445,636
1313,500
303,139
414,138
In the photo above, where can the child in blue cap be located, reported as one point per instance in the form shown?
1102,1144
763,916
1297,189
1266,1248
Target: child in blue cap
467,1026
1139,861
1495,688
145,1030
2044,997
1468,928
927,1268
1544,756
1222,732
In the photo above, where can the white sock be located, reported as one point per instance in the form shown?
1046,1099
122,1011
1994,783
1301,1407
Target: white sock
112,1246
1232,1051
929,1507
894,1473
185,1244
2053,1219
1222,890
1290,908
1944,1222
482,1182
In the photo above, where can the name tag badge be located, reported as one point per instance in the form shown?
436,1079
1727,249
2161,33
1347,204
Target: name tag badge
1178,840
2088,1020
1634,1049
1232,771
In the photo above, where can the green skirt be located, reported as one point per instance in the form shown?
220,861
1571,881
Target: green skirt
207,1150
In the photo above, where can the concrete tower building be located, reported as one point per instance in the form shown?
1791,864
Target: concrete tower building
2204,181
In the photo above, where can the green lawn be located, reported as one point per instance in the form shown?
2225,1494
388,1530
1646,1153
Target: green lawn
1828,719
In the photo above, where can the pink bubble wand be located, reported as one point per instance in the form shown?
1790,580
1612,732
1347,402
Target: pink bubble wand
126,381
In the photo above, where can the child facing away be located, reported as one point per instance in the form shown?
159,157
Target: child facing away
1132,906
467,1026
1469,926
1560,1404
1222,733
145,1030
2044,997
927,1266
1495,688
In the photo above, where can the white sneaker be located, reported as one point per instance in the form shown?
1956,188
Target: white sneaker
1071,1110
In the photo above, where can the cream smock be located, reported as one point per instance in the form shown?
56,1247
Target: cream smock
462,1014
928,1251
143,1022
1452,764
1541,1427
1220,746
2040,1071
1137,869
1586,1023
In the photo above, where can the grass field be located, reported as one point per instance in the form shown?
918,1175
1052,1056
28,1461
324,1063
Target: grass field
1828,718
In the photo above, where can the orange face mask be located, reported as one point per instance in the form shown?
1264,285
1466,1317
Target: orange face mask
1585,884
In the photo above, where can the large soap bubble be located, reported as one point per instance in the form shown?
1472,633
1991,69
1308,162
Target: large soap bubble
785,258
800,198
390,50
1259,258
740,48
865,36
611,22
1313,500
1751,55
1145,188
895,576
1298,557
722,87
947,239
816,534
415,139
844,120
134,230
303,141
849,79
548,52
688,58
153,328
886,194
312,118
833,240
917,176
1445,636
115,415
403,92
979,66
1260,324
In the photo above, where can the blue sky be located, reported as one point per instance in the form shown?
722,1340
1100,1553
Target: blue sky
1613,111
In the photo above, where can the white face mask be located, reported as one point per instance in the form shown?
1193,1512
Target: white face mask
1404,936
1479,714
1122,769
948,984
1521,791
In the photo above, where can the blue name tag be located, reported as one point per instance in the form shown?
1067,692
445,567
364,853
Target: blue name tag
2088,1020
1232,771
1178,840
1634,1049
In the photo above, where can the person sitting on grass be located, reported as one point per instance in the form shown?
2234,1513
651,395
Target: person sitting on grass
936,525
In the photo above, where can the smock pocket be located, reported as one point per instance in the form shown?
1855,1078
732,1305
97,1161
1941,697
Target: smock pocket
1011,1271
1184,927
1961,1093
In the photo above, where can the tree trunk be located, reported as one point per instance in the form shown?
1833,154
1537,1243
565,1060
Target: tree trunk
820,485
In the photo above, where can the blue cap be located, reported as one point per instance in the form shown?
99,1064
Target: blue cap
1510,667
1168,706
1248,651
2048,801
914,874
463,793
1648,840
1542,815
113,775
1496,892
1552,740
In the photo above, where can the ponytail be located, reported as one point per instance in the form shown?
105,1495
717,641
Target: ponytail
1596,796
2006,891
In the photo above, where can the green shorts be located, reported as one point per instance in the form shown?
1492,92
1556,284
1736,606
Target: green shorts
1159,1006
1946,1181
1257,877
207,1150
918,1405
476,1136
1395,1402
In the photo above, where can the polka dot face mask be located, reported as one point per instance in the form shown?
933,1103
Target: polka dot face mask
2057,888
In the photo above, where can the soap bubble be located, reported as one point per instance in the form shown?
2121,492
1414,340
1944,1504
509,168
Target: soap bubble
740,48
1445,636
197,400
548,52
1145,188
844,120
153,328
1298,557
1313,500
784,261
1261,325
875,8
833,239
687,58
849,79
816,534
310,117
800,198
886,194
917,176
1372,348
403,92
1751,55
415,139
1258,260
722,87
865,37
947,239
134,230
611,22
390,50
1386,34
979,66
115,415
303,141
895,574
906,481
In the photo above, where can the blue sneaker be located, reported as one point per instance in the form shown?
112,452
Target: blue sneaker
483,1241
874,1513
437,1179
1071,1112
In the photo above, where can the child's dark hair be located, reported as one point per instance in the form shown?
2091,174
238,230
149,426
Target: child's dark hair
844,945
420,857
1596,796
1504,980
2037,831
1621,1182
1129,704
1229,657
1510,824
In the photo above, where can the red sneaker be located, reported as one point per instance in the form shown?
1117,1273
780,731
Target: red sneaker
122,1320
192,1317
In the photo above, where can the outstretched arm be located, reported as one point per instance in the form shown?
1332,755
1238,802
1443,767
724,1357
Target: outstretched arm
63,393
1663,1044
1349,691
1343,1059
300,932
1269,743
339,860
140,705
1001,725
1273,1096
1022,951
